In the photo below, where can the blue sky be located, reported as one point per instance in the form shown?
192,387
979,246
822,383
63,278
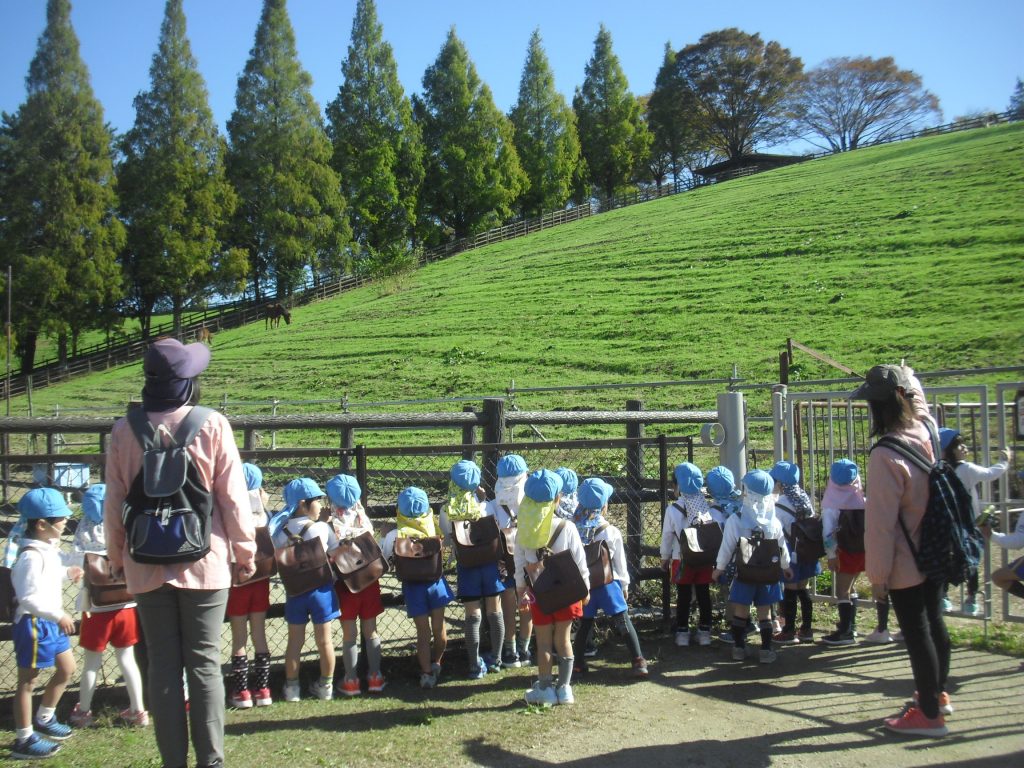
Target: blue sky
968,53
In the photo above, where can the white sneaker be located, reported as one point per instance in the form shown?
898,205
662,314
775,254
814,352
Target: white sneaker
880,636
321,691
427,680
739,653
683,639
703,637
897,636
543,697
292,690
564,694
767,657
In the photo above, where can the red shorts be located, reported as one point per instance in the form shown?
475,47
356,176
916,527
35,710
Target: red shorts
118,628
253,597
690,575
574,611
850,562
359,605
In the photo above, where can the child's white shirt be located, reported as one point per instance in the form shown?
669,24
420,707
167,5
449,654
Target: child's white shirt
38,577
613,536
317,530
735,528
971,474
505,519
676,520
1014,540
349,523
568,538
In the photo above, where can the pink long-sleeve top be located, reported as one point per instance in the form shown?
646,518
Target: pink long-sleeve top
215,455
896,489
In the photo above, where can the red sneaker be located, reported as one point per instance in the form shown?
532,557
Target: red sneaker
914,723
375,683
945,703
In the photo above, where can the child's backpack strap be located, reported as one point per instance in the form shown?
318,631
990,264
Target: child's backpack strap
555,532
509,512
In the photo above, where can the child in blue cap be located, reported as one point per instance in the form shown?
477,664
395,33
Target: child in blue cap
540,531
955,452
247,609
424,603
792,504
504,507
102,625
757,515
474,583
349,519
41,627
592,497
689,509
726,501
301,518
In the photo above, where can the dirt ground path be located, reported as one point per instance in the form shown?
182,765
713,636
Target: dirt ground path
815,707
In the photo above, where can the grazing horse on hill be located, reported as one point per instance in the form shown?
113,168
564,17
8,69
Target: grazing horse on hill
273,314
205,336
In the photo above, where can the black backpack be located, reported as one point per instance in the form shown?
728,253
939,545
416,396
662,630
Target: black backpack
8,599
850,532
951,545
167,512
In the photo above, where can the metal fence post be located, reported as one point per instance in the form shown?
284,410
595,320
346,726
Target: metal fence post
666,586
779,421
348,442
468,436
361,473
634,485
733,452
494,432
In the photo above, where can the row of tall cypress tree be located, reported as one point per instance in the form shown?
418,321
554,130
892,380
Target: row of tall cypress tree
94,225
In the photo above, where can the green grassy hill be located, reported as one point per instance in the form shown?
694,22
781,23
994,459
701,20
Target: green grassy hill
911,250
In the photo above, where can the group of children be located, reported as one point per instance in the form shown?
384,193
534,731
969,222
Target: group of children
538,514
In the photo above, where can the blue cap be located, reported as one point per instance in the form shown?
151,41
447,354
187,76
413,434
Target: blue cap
466,475
594,493
343,491
570,480
786,473
511,465
299,490
40,503
92,502
543,485
689,478
843,471
253,476
759,481
720,481
947,436
413,502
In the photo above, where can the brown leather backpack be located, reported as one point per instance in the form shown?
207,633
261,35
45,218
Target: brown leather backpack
360,562
477,542
555,579
104,590
418,560
264,560
302,564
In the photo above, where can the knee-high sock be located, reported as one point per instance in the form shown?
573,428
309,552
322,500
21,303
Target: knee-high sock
373,655
239,674
806,609
766,634
91,669
132,677
473,638
350,658
262,669
565,670
628,633
789,609
845,617
496,624
882,610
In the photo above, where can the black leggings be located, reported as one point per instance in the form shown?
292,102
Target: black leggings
683,598
919,610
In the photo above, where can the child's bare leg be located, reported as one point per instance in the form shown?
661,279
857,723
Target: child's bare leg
423,648
325,646
296,639
23,697
239,635
64,670
258,627
440,634
545,642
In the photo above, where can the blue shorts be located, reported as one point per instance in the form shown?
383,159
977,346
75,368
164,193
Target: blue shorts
37,642
607,598
479,581
803,571
421,599
320,605
743,593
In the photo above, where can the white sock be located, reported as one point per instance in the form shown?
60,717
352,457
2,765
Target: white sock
44,714
22,733
132,678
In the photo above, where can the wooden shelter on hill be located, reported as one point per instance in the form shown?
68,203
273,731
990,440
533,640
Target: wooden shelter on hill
745,165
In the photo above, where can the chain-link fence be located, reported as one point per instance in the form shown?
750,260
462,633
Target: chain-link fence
638,469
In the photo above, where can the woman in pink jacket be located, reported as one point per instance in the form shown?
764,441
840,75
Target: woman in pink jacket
181,604
899,490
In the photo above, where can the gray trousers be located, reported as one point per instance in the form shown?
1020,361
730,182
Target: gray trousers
183,632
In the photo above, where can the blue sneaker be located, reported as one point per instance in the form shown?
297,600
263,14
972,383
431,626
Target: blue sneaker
53,729
492,664
35,747
479,670
509,658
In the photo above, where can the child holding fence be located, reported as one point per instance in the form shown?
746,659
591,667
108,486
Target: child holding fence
41,627
756,522
247,610
116,625
349,519
540,533
504,507
793,504
424,601
689,509
592,526
476,583
301,519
